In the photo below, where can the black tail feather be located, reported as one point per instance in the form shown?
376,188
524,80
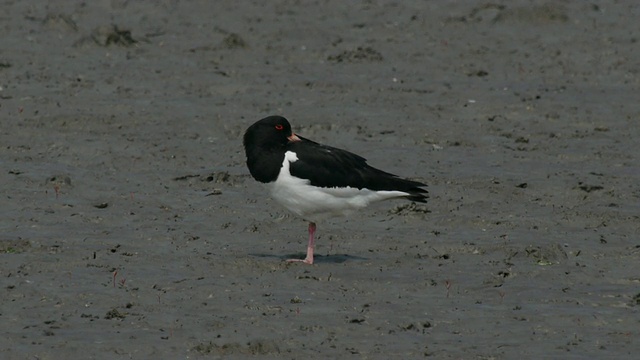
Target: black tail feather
418,195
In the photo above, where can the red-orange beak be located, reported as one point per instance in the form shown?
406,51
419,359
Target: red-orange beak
293,137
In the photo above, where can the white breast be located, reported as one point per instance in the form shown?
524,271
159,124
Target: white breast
311,202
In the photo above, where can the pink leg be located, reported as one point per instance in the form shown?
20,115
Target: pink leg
309,258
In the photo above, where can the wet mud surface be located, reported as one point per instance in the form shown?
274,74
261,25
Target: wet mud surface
131,229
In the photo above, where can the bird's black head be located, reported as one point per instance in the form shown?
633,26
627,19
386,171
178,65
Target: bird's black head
265,144
270,133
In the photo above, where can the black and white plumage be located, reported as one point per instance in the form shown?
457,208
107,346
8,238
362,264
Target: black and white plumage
315,181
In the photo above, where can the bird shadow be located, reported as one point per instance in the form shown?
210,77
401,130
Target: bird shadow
328,259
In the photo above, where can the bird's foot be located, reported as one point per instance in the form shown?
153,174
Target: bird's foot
306,261
309,259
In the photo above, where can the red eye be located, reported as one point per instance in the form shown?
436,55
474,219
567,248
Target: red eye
279,127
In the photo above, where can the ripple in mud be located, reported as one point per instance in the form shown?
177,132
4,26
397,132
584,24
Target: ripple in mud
14,246
546,255
420,327
112,35
588,187
234,41
260,347
528,14
108,36
360,54
221,177
115,314
59,180
409,208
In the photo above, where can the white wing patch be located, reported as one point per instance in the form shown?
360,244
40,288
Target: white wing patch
309,202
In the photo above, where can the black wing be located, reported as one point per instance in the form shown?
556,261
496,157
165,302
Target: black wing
326,166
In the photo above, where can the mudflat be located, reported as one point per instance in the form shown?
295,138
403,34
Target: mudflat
131,229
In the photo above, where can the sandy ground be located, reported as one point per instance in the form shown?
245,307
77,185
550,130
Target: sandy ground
130,228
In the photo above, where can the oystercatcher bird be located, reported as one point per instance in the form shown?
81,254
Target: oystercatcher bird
315,181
